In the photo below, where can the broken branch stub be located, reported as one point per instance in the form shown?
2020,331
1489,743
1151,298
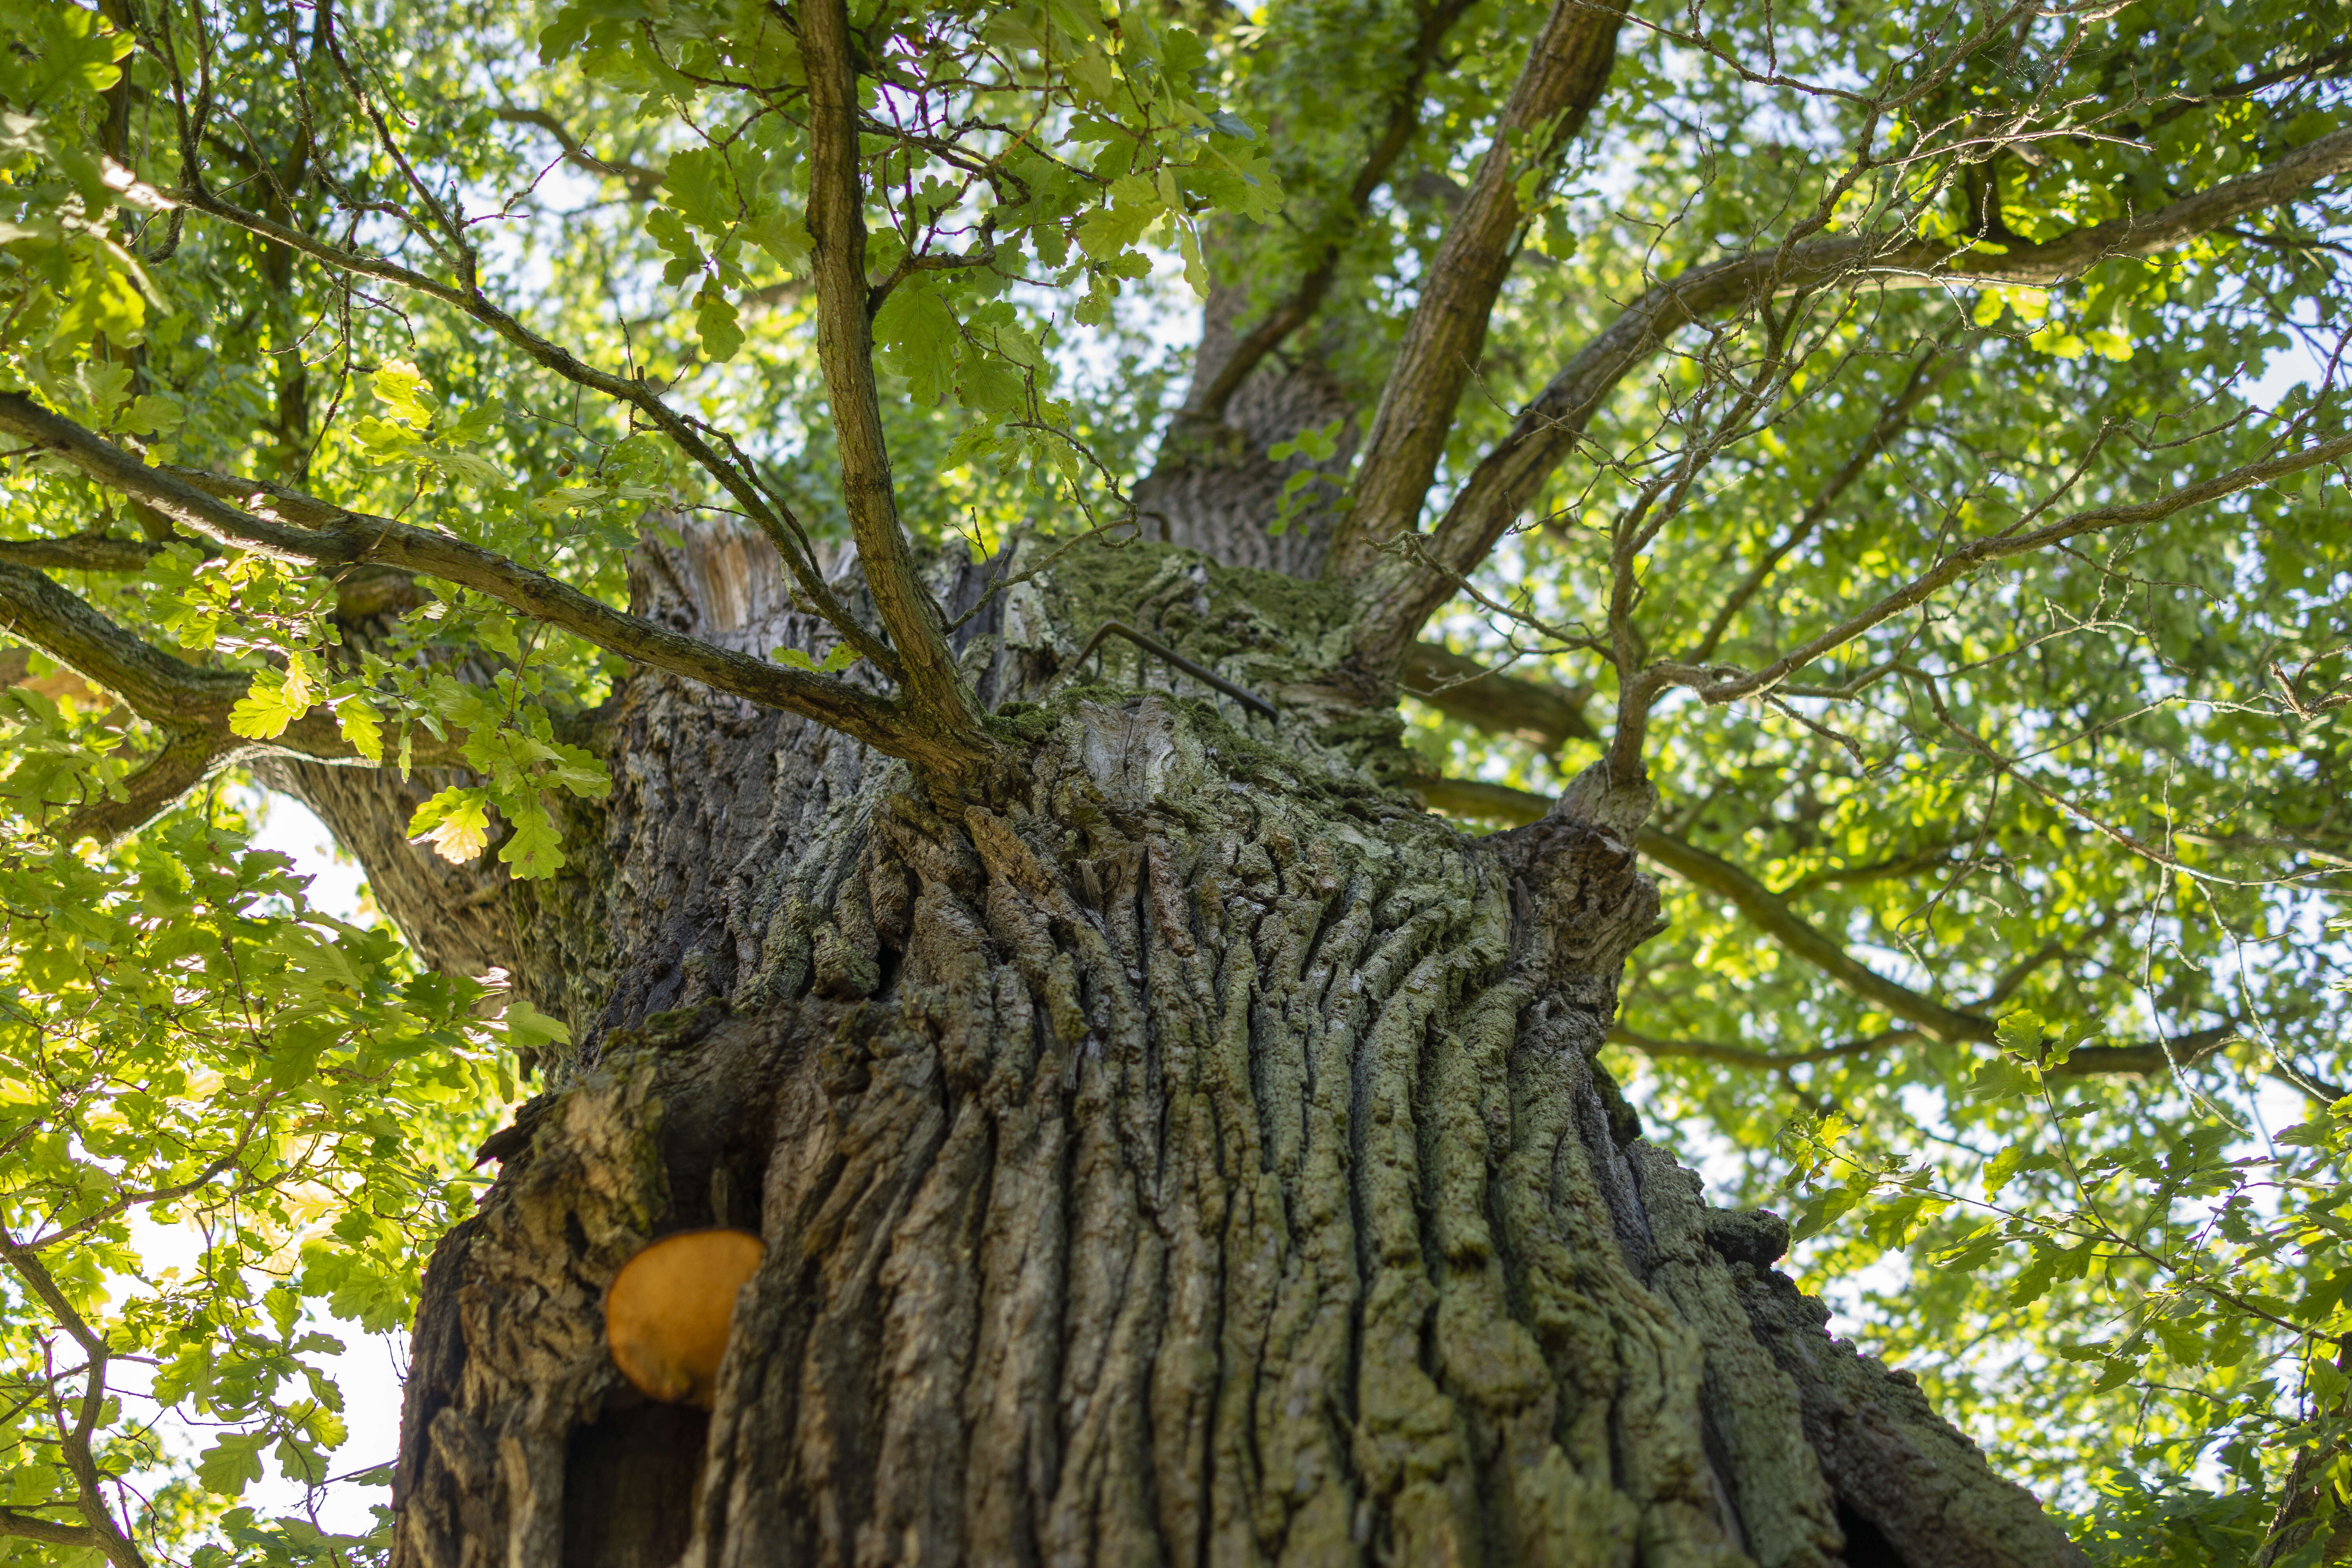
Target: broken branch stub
668,1311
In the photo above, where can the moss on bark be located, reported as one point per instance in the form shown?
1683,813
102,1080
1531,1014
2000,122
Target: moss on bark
1178,1148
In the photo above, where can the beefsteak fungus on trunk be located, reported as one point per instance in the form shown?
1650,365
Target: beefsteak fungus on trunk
978,894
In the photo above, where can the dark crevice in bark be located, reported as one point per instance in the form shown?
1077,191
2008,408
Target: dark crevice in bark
1866,1545
629,1485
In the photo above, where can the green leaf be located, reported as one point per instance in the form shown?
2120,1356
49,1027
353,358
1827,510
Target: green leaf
2020,1034
528,1029
2316,1134
362,726
714,319
841,656
668,230
2004,1166
153,414
402,388
783,236
535,847
918,334
2000,1078
232,1463
456,822
106,304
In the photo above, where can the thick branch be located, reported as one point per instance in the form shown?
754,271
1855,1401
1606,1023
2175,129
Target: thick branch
1464,689
1762,1062
1797,935
1505,481
1208,400
1561,81
1482,802
772,517
836,223
31,1527
81,553
2087,1061
152,684
188,703
343,538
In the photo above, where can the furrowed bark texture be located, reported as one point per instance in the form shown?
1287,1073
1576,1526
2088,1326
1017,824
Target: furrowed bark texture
1177,1149
1217,491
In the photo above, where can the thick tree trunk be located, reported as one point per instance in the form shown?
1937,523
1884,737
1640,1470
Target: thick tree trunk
1180,1149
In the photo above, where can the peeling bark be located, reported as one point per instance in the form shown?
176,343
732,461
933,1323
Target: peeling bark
1177,1148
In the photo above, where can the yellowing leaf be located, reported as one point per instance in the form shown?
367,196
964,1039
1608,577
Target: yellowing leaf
268,707
456,823
361,726
403,388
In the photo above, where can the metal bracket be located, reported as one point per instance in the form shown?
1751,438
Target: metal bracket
1249,699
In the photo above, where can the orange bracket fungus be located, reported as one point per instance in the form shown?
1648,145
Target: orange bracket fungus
667,1313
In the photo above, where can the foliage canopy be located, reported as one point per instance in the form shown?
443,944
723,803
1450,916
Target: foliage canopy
1910,434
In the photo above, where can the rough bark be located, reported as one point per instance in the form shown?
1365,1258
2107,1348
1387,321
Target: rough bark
1215,490
1176,1148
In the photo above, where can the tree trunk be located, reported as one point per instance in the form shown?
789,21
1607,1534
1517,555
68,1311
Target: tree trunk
1181,1149
1216,489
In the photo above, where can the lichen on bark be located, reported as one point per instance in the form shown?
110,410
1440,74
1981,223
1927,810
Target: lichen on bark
1176,1147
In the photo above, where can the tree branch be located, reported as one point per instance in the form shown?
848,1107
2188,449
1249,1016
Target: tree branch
31,1527
188,703
1464,689
152,683
1718,686
341,537
1405,592
80,552
1892,419
640,182
1566,71
836,223
1763,1061
2086,1061
1208,401
104,1533
1797,936
770,516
